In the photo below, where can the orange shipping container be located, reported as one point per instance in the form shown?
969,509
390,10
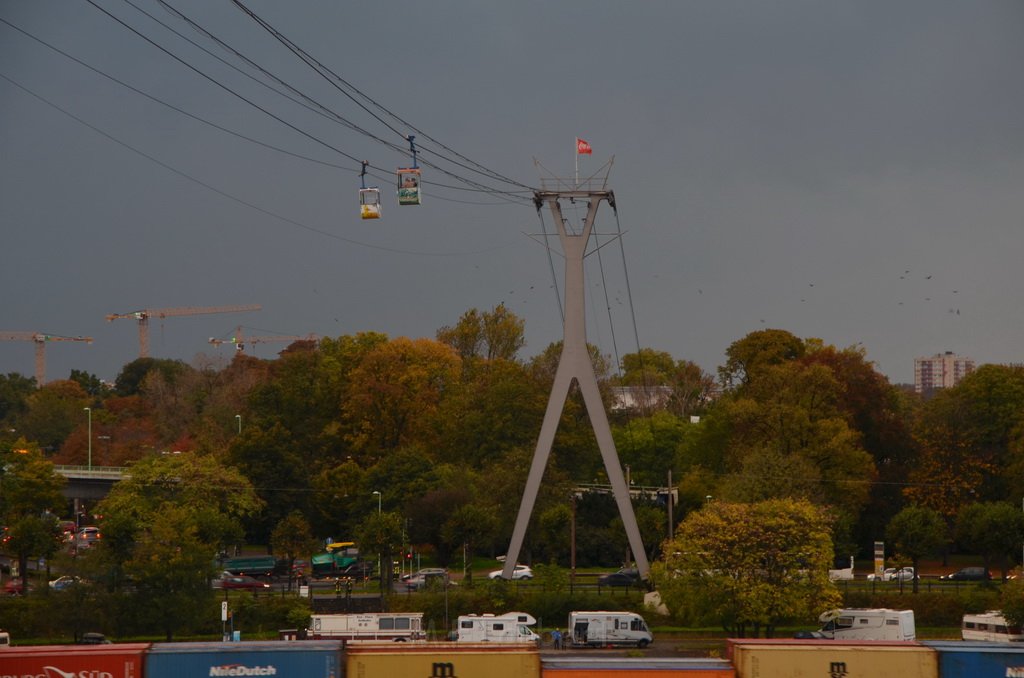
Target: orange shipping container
828,658
615,667
441,660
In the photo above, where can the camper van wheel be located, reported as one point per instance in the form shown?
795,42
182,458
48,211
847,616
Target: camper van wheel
641,643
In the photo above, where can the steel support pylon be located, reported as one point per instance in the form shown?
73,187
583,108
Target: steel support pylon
575,364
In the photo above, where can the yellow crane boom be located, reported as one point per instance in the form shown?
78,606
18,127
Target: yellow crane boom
145,314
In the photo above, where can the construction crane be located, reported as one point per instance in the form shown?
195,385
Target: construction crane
40,340
144,315
240,340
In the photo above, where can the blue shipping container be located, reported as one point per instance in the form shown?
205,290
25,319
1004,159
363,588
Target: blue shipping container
281,659
973,659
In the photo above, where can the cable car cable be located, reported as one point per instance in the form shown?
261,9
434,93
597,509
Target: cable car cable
320,68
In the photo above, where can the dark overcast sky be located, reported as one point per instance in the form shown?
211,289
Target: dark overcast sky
852,171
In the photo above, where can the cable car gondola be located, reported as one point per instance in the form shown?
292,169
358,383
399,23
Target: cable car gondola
409,180
369,198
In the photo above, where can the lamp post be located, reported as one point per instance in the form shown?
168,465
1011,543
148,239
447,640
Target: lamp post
88,411
380,570
238,418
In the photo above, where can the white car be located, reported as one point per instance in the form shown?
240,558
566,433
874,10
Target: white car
894,574
518,572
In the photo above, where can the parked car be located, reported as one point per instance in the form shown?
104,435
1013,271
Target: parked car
427,577
894,574
624,577
93,638
969,574
361,569
239,581
518,572
66,581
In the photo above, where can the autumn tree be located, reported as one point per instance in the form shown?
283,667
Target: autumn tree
756,351
490,335
395,392
53,412
916,532
750,566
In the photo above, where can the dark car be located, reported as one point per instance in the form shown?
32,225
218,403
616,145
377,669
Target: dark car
240,581
92,638
15,587
361,569
624,577
969,574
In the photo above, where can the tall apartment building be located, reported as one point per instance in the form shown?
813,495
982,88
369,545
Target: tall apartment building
942,370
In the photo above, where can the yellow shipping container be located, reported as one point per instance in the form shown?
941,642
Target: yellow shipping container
441,660
834,660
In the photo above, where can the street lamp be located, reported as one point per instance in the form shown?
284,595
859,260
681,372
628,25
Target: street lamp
376,492
89,412
238,417
380,570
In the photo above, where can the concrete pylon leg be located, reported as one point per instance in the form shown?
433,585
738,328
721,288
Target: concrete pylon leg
575,363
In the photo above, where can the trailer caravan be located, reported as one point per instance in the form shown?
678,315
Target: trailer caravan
398,626
511,627
601,629
865,624
990,626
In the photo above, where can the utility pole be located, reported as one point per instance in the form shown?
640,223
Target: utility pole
575,365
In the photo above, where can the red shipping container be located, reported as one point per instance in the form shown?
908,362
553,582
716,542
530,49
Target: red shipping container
80,661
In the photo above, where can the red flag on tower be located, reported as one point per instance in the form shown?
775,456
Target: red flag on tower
582,147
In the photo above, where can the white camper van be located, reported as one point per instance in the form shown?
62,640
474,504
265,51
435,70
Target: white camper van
598,629
511,627
990,626
865,624
398,626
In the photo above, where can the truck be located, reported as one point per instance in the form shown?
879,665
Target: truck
511,627
602,629
864,624
335,559
397,626
253,566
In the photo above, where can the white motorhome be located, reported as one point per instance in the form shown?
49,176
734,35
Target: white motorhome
990,626
865,624
600,629
398,626
511,627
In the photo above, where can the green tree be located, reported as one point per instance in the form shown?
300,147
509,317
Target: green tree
750,566
995,530
30,500
468,526
381,533
54,411
171,566
292,538
916,532
14,392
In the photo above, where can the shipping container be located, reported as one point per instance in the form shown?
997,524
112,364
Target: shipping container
863,659
973,659
618,667
365,659
103,661
281,659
